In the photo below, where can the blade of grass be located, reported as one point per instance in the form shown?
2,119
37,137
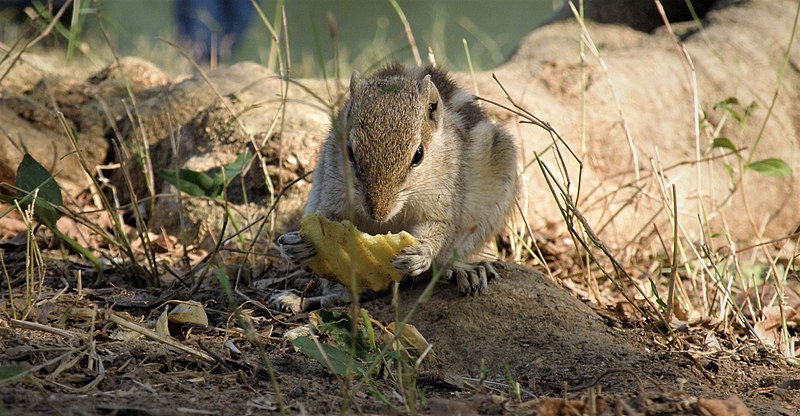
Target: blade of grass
778,86
10,289
409,33
596,52
471,68
74,29
37,39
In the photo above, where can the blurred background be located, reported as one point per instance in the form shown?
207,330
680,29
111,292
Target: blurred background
362,33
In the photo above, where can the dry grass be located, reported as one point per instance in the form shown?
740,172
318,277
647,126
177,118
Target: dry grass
680,281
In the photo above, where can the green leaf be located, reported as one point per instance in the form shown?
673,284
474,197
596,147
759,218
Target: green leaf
217,186
727,105
235,168
192,182
771,167
723,143
338,326
12,372
200,184
32,176
727,101
370,332
338,359
729,169
750,109
655,293
731,178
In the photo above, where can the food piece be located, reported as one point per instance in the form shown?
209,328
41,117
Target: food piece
348,256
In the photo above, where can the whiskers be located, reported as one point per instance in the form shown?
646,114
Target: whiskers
428,189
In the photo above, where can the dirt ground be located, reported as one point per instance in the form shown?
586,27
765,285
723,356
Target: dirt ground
525,328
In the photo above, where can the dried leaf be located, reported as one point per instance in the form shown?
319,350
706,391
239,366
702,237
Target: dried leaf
559,407
162,325
411,337
189,312
731,406
712,342
300,331
229,345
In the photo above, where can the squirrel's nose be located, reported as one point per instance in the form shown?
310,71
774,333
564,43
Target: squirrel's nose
380,208
379,213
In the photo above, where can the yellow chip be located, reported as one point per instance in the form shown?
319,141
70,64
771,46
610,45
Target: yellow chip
350,257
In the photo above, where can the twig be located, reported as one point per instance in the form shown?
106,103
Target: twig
41,327
111,316
700,368
673,274
615,371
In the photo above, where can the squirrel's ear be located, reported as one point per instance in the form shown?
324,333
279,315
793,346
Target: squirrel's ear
355,83
430,96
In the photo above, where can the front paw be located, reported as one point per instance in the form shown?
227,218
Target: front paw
472,278
286,301
295,249
413,260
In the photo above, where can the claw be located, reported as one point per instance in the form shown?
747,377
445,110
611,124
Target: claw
295,249
472,279
491,272
290,301
286,301
413,260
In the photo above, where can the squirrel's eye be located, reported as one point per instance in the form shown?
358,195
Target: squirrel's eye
418,156
350,154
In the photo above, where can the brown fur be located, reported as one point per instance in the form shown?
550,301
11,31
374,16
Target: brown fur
455,200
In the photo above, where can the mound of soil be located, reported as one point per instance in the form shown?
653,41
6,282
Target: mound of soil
528,329
523,330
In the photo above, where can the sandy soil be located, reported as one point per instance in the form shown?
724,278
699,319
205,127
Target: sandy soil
525,329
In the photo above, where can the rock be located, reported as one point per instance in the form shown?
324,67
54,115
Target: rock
644,18
140,74
20,75
213,138
53,150
89,106
108,100
651,78
19,79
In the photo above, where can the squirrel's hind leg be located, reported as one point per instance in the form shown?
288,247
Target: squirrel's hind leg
472,279
331,294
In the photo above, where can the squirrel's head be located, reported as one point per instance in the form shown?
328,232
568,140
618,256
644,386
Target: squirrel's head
390,122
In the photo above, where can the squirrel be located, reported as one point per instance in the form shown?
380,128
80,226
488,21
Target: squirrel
424,158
